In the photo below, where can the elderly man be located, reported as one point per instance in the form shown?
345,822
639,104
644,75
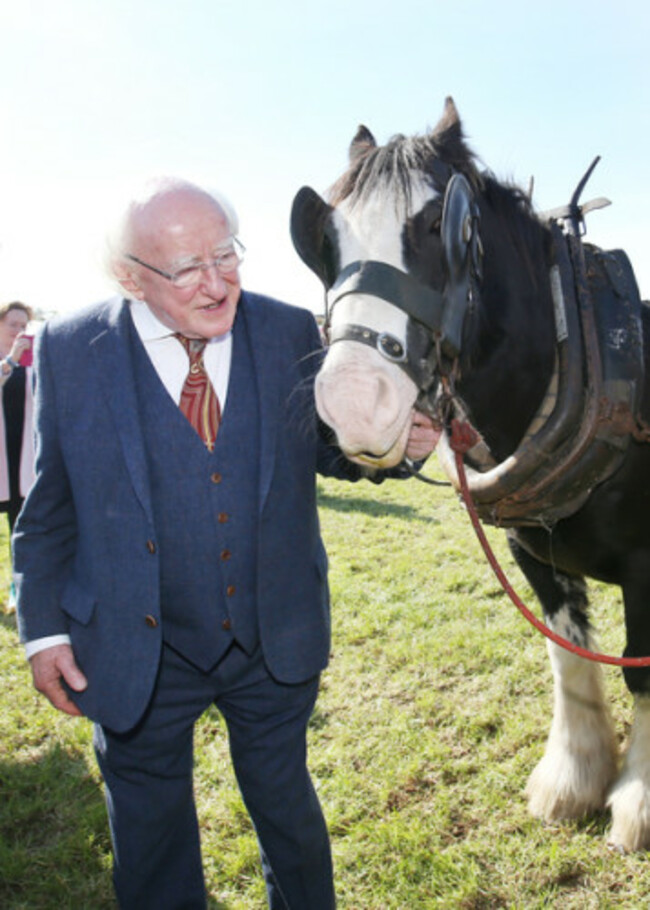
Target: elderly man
168,556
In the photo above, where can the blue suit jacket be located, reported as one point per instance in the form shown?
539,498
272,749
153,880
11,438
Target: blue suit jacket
85,545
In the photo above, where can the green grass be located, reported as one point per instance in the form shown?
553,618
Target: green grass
432,714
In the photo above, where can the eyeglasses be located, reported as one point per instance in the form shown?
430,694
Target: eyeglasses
190,275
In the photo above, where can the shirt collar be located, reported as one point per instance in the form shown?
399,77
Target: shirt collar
150,328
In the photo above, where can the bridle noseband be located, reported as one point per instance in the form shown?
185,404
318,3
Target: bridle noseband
421,304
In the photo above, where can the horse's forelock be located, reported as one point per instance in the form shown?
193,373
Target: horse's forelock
391,168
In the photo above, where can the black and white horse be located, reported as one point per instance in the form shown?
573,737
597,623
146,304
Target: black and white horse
446,293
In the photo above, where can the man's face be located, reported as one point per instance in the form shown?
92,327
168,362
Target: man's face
173,231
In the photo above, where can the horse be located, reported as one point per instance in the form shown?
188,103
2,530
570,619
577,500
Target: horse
448,294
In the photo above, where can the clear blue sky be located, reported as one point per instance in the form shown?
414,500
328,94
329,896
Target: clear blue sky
259,97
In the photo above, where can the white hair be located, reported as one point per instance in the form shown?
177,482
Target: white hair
118,238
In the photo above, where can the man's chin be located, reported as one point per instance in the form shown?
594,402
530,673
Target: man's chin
215,320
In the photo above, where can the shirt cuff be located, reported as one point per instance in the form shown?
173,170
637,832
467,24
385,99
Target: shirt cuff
40,644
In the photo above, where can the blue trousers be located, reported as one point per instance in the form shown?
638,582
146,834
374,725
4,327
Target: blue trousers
149,791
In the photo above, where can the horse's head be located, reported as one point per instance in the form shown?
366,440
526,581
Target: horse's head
398,250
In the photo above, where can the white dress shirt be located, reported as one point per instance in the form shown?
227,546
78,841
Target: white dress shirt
170,360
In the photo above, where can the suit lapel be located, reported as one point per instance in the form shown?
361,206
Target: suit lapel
268,369
112,348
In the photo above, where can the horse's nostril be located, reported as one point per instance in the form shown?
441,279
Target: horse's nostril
385,393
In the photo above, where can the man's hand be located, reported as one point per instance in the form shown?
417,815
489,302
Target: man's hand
49,667
423,437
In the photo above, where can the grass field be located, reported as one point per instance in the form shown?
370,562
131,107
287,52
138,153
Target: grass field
432,714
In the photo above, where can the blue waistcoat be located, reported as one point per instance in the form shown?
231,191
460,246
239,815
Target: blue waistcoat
207,563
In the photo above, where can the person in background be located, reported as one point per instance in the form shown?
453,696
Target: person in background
169,555
16,445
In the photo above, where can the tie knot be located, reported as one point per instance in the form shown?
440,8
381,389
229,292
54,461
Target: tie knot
193,346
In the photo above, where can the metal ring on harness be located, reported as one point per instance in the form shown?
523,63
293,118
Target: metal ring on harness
388,345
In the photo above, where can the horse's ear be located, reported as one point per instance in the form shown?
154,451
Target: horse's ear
449,127
448,138
363,140
309,220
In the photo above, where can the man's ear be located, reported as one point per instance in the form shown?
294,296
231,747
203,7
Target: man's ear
127,279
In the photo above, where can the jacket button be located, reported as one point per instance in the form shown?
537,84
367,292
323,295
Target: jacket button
226,625
230,590
216,477
151,621
222,518
151,546
226,554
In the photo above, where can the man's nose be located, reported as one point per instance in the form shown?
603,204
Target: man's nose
212,278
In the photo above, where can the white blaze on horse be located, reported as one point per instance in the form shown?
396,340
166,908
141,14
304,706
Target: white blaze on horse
448,295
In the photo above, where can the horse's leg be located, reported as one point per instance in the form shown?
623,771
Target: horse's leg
579,762
629,799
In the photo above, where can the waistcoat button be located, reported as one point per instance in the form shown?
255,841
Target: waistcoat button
222,518
230,590
226,554
151,546
151,621
226,625
216,477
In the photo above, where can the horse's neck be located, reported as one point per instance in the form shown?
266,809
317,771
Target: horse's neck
511,363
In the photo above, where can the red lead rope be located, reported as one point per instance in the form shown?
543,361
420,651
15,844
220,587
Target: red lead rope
462,439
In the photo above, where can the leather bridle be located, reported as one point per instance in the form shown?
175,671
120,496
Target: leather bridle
436,317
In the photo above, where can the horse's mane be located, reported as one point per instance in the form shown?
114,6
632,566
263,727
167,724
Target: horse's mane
507,200
513,216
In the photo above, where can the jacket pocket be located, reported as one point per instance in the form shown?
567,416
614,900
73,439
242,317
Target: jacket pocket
78,603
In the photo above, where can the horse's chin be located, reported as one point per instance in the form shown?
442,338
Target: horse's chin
388,459
382,463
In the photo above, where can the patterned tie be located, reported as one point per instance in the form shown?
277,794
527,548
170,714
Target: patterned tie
199,401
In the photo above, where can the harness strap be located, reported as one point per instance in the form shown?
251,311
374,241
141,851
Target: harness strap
378,279
414,362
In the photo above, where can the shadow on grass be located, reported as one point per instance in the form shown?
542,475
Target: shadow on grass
55,850
376,509
53,829
8,620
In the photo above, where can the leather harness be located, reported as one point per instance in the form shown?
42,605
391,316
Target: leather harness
580,438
